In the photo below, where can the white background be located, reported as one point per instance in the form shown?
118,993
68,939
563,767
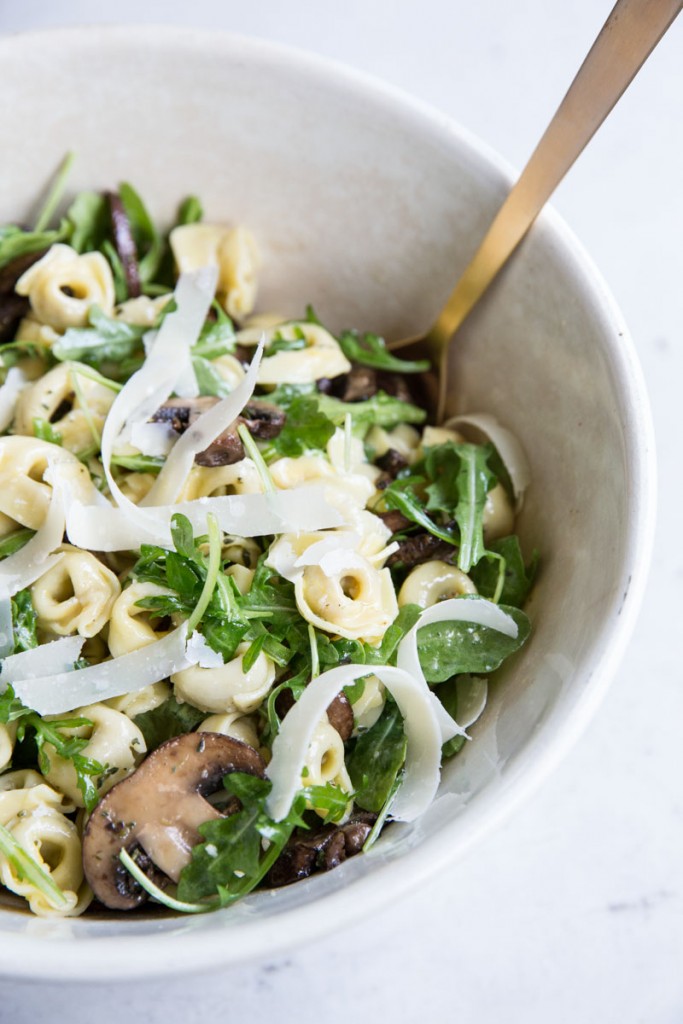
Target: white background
574,910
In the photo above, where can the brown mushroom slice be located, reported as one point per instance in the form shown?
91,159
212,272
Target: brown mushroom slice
322,850
160,808
339,711
262,419
124,243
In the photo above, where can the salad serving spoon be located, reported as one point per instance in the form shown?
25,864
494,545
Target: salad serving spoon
628,37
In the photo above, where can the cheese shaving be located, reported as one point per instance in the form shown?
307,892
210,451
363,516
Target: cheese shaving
57,657
15,382
244,515
35,558
424,734
200,435
153,438
6,626
147,389
507,446
57,691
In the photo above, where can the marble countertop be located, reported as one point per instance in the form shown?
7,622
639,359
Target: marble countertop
573,910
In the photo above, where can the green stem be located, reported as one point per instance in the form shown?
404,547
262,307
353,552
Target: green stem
27,868
158,894
56,193
211,575
254,454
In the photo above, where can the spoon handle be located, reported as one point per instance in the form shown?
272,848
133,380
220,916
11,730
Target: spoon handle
626,40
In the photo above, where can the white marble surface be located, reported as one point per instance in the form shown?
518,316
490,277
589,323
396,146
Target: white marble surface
573,911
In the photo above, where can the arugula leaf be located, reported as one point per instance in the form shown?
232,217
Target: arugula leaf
190,211
15,541
148,241
370,350
306,428
405,620
15,243
107,342
401,496
167,720
217,337
381,410
377,758
88,222
460,481
447,649
232,861
24,620
55,733
517,578
209,379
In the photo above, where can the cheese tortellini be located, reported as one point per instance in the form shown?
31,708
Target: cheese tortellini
69,400
228,688
63,286
76,595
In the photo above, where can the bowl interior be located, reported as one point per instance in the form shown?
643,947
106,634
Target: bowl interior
367,206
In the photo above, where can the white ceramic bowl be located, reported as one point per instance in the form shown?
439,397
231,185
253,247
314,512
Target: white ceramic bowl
367,205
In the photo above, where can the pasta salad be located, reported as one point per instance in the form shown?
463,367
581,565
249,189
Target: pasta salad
249,596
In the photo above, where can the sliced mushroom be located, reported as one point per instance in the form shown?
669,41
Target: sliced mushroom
262,419
339,711
160,808
124,243
323,850
419,548
14,307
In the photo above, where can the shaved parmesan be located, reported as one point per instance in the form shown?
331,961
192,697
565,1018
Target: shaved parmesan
200,435
507,446
57,690
6,626
147,389
245,515
472,693
57,657
15,381
35,558
153,438
201,654
458,609
423,730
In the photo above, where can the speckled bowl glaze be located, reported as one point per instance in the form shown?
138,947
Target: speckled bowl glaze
367,205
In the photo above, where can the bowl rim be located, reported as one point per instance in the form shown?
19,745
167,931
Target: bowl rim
146,956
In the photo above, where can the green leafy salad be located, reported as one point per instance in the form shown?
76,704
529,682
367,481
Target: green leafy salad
249,596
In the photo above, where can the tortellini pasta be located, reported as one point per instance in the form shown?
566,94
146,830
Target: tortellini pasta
213,481
232,251
434,581
76,595
227,688
130,626
233,723
52,841
63,286
357,602
324,763
24,494
69,400
113,740
320,357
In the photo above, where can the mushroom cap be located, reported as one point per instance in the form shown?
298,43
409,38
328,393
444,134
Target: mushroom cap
160,808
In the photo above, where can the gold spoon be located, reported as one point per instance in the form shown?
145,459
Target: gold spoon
626,40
